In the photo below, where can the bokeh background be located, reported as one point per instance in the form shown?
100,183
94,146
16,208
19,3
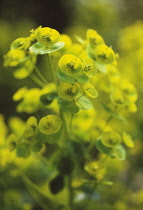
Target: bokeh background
120,22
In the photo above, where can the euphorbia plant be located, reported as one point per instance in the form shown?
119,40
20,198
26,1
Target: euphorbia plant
79,112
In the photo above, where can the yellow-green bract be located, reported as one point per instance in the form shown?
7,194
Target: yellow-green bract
50,124
47,36
111,138
70,64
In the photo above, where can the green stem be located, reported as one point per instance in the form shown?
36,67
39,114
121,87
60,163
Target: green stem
69,180
51,69
67,120
35,79
70,125
30,185
40,75
65,135
66,138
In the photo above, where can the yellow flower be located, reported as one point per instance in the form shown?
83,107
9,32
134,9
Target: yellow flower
14,57
128,140
131,107
67,40
70,64
20,43
104,54
111,139
113,74
47,36
11,142
90,90
96,170
50,124
89,67
68,91
30,102
94,38
31,126
20,94
118,97
128,90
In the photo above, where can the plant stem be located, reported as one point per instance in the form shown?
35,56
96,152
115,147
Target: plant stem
40,75
69,179
30,185
70,124
66,138
51,69
37,80
67,132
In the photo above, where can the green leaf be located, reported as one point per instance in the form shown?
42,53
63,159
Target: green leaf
68,106
101,67
79,39
51,139
102,148
38,48
36,147
46,99
119,152
23,150
82,77
114,114
84,103
65,77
